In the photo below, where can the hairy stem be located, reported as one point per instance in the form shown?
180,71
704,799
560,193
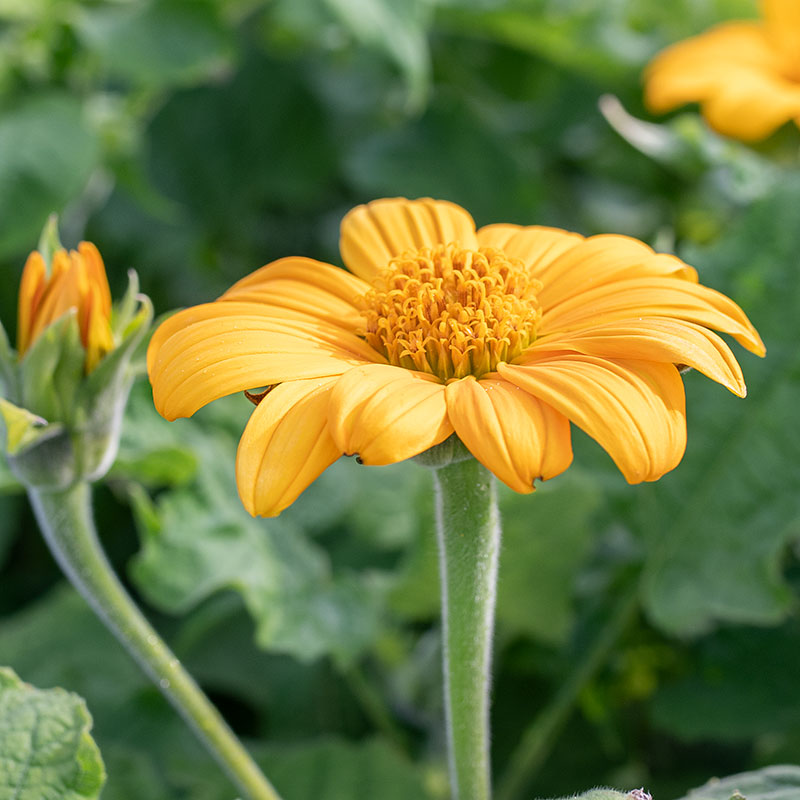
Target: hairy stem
65,517
468,527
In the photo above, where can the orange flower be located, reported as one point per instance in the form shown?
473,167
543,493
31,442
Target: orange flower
745,75
77,280
502,336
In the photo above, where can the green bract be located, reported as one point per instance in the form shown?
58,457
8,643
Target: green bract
61,425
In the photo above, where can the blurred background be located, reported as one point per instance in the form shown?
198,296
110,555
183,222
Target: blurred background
647,635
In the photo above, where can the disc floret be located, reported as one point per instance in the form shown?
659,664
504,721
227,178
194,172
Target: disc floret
451,312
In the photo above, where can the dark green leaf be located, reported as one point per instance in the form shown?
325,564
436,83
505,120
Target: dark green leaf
157,43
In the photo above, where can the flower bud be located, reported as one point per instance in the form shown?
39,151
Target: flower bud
63,392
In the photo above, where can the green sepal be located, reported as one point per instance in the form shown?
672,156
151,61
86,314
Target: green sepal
49,240
23,429
8,360
51,371
127,309
98,421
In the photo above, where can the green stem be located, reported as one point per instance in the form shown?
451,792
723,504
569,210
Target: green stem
539,738
468,527
65,517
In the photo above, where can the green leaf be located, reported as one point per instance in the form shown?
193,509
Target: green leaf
198,540
158,43
720,522
46,751
743,685
398,28
41,172
780,782
342,771
546,538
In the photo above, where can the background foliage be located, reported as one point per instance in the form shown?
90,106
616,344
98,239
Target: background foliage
647,635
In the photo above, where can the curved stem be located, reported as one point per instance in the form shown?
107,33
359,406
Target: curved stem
65,517
468,527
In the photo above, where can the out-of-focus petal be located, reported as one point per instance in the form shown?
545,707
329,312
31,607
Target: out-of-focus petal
285,446
782,22
387,414
375,233
649,339
512,433
635,410
738,72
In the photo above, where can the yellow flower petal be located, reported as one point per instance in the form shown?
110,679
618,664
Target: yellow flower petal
652,297
692,70
604,259
387,414
515,435
98,278
782,21
285,446
752,105
738,72
649,339
635,410
533,244
31,288
304,289
215,349
375,233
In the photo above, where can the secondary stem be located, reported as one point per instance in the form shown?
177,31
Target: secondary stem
65,517
468,527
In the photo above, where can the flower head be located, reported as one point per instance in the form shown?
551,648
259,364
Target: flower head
502,336
744,74
76,280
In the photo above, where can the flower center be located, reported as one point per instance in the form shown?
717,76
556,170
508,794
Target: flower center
451,312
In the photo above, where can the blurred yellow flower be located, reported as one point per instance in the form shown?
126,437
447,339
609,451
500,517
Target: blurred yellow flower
77,280
744,74
502,335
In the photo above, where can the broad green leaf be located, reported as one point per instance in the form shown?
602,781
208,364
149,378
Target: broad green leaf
46,751
47,153
198,540
157,43
780,782
719,523
546,538
61,622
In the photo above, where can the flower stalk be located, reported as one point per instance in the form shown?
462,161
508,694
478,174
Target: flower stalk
468,529
65,517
